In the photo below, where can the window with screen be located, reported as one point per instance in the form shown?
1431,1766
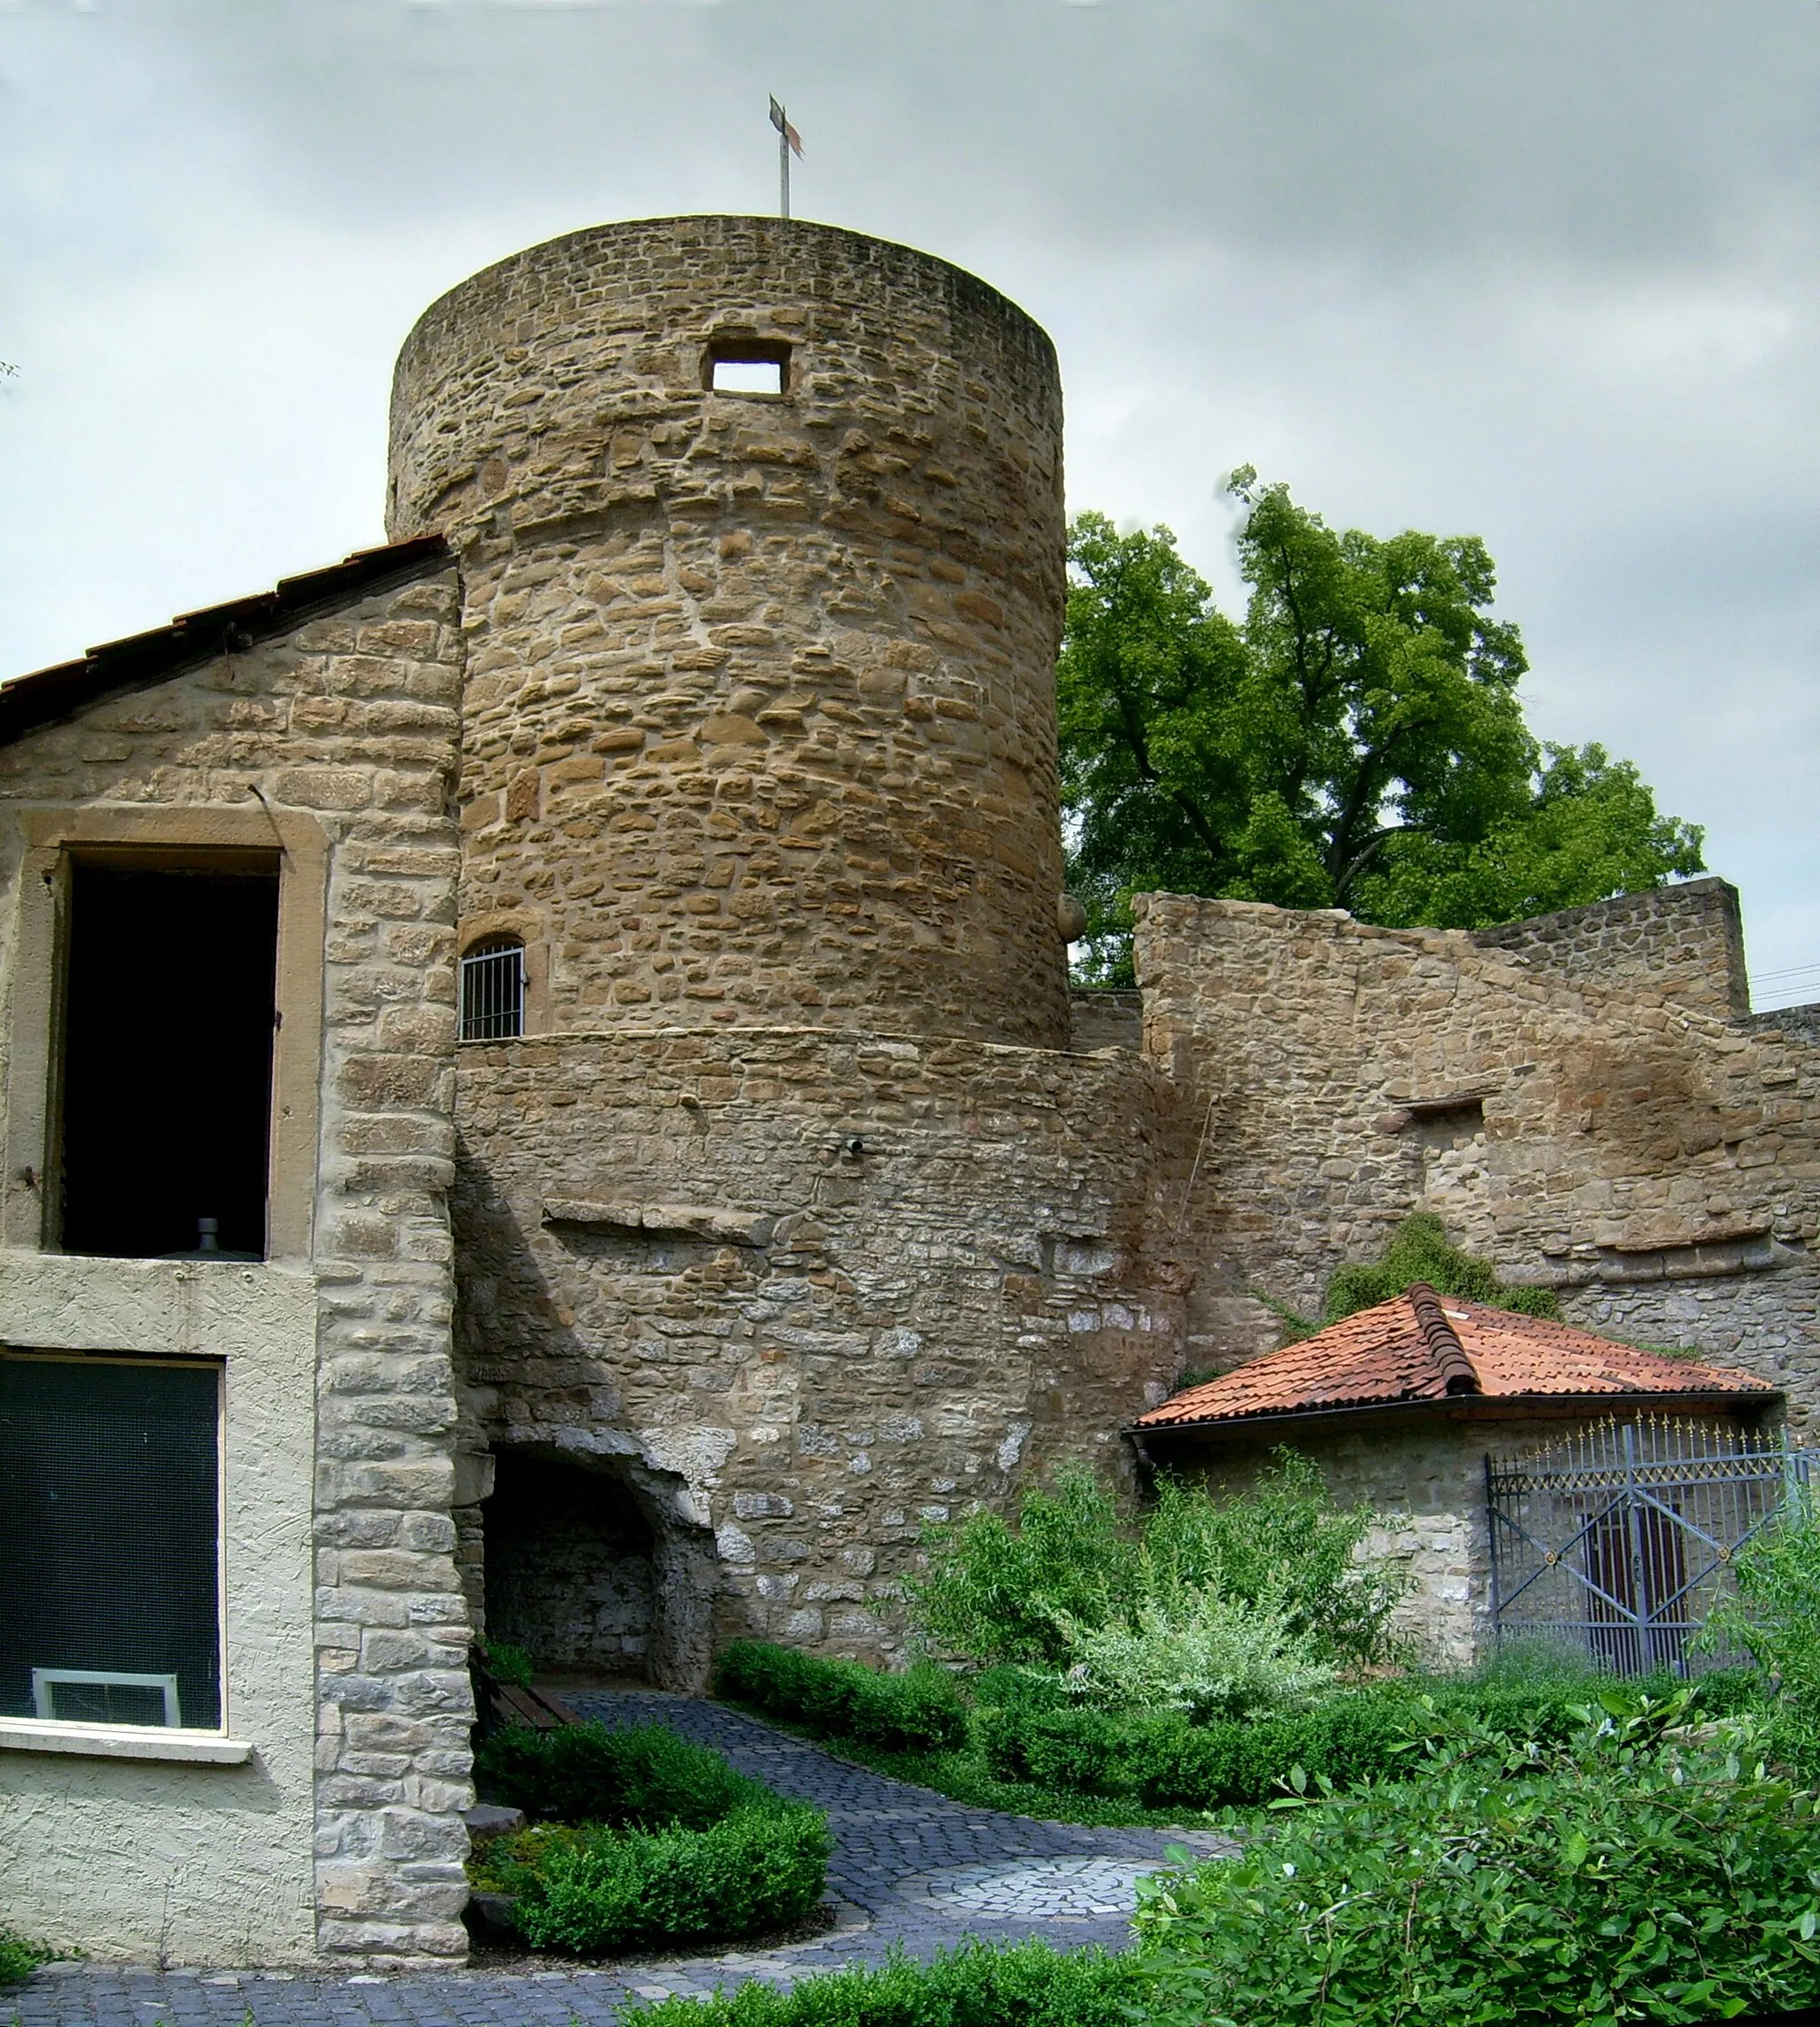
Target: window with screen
110,1541
492,990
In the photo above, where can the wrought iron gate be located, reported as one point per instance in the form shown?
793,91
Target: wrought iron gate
1619,1541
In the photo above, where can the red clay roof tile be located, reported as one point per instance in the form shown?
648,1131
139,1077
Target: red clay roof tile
1395,1354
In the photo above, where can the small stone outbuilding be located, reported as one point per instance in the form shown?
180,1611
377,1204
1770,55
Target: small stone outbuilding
1409,1405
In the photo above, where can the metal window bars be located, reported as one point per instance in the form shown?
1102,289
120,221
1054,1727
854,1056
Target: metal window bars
492,990
1620,1540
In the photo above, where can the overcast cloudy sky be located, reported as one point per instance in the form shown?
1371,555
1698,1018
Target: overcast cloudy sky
1541,270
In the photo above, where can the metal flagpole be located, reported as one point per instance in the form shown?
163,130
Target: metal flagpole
789,141
782,126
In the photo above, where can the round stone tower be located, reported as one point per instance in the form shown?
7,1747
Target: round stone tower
760,525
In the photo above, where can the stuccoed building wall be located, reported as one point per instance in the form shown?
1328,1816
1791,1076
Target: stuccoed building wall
1653,1162
323,1818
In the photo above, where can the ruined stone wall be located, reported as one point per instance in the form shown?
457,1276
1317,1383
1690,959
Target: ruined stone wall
809,1290
1643,1157
760,718
340,739
1686,942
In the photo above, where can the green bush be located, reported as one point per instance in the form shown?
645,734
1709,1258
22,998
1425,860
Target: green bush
595,1887
1627,1875
506,1664
1031,1985
1044,1593
1161,1761
19,1959
1418,1251
1775,1618
1206,1654
641,1838
585,1773
919,1711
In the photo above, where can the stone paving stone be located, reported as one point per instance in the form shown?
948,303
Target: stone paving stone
910,1870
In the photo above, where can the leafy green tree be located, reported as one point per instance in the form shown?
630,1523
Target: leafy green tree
1357,742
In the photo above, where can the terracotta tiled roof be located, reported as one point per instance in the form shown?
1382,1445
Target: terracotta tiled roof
1421,1346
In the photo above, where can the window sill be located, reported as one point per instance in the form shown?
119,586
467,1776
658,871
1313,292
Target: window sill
122,1742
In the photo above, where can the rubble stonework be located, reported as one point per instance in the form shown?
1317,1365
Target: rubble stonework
342,732
948,1272
809,1208
759,710
1685,942
1656,1164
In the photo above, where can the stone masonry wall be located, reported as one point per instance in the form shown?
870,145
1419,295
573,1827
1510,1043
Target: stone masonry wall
759,719
811,1290
352,719
1425,1479
1686,942
1613,1144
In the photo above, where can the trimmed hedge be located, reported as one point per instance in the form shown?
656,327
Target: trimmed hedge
593,1888
1163,1761
585,1773
919,1711
1030,1985
642,1838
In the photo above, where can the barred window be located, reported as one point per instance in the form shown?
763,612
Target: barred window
110,1605
492,990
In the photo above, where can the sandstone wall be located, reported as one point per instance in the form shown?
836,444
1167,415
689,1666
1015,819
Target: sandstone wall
338,738
808,1290
1686,942
1425,1479
760,707
1647,1159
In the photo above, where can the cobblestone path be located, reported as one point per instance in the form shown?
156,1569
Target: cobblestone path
910,1869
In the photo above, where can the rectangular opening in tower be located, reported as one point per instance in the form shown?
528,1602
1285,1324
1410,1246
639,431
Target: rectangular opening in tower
166,1088
748,366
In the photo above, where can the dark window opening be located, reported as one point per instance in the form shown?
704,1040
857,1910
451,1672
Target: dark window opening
492,990
168,1027
110,1511
748,366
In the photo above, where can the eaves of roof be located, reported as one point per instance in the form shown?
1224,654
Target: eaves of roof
1282,1427
141,660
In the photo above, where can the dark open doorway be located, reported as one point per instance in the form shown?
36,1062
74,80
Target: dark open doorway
570,1575
169,1015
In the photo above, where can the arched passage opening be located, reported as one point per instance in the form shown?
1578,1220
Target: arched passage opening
590,1570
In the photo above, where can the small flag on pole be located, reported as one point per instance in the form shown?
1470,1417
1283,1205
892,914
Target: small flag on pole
792,138
788,141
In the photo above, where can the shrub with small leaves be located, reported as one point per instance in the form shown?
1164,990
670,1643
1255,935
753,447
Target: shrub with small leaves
917,1712
1205,1654
1031,1595
596,1888
640,1837
1639,1872
585,1773
1418,1251
506,1664
1775,1618
1030,1985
